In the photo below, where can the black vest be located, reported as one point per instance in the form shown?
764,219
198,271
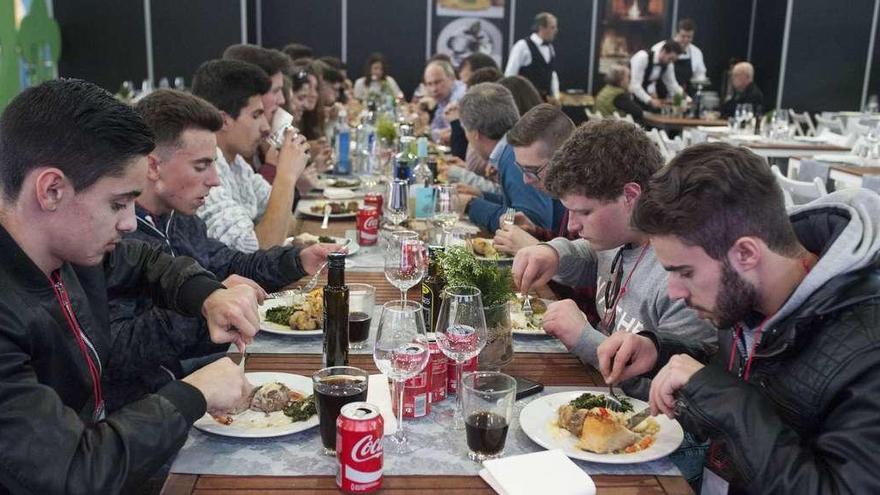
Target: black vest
684,71
540,72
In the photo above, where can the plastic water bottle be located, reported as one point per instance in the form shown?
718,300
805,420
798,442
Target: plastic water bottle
343,145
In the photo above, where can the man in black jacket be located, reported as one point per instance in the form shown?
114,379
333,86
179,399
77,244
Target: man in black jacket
789,401
72,161
742,79
149,342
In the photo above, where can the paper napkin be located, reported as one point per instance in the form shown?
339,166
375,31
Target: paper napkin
379,394
549,472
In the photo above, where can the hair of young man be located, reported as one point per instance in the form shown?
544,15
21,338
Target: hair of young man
271,61
486,74
72,125
229,84
489,109
672,46
334,62
687,25
524,92
545,124
328,73
298,51
542,19
712,194
478,60
169,113
599,158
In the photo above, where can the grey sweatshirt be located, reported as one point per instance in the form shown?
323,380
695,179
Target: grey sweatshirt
645,304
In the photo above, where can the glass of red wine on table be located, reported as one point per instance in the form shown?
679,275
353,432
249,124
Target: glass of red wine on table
361,302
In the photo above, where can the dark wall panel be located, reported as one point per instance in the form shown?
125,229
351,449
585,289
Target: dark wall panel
403,44
185,34
828,46
102,41
767,47
573,41
317,24
722,32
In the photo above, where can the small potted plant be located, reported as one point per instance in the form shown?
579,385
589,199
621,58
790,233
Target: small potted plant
461,267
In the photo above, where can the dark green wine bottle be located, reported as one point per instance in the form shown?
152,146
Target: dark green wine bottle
335,312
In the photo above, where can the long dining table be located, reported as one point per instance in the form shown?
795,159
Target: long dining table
550,369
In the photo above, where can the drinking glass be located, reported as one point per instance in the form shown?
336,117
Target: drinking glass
444,206
456,237
335,387
179,83
361,302
487,398
406,261
396,206
461,333
401,352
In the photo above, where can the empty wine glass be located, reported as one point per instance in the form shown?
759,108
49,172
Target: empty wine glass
461,333
406,261
396,206
444,206
401,352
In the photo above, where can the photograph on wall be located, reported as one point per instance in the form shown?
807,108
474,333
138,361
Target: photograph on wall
628,26
466,35
471,8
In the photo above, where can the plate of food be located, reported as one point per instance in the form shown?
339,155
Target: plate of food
300,314
306,239
484,249
339,209
579,423
528,325
280,404
343,182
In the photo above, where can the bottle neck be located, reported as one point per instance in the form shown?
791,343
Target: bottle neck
335,277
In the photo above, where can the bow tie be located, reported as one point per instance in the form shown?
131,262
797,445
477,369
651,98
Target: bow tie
545,43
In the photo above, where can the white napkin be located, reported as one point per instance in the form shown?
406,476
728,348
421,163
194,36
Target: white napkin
549,472
379,394
338,193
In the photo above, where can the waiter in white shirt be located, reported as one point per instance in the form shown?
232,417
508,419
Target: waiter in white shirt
533,57
689,66
646,68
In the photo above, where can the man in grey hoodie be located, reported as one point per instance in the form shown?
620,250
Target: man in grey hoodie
599,174
790,399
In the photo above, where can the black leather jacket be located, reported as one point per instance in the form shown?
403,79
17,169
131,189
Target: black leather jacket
50,438
808,419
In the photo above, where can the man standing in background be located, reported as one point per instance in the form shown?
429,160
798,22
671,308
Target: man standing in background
533,57
690,65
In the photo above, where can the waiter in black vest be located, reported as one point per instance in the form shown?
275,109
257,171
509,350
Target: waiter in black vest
647,67
533,57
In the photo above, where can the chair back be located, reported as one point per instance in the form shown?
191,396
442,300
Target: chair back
796,192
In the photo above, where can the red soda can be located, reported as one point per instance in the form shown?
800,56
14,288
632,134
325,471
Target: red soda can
461,338
367,226
375,200
359,431
416,390
438,365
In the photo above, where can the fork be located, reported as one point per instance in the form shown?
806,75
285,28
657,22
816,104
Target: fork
312,282
612,401
243,351
527,305
508,218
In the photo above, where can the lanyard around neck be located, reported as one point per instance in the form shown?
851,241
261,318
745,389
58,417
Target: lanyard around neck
609,316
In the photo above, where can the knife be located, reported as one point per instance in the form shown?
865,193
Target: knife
327,210
637,418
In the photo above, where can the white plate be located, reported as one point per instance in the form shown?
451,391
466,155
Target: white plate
538,417
337,193
248,424
352,247
516,307
305,205
268,326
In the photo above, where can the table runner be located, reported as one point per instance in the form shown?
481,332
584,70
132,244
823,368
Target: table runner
443,453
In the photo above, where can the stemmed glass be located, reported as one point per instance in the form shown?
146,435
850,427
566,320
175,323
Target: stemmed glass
444,206
406,261
395,211
401,352
461,333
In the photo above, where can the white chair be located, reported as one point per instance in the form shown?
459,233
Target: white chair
796,192
655,138
810,170
832,124
803,124
673,145
591,115
871,182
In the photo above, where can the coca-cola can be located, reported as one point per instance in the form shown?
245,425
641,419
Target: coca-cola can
375,200
367,225
438,366
359,431
416,390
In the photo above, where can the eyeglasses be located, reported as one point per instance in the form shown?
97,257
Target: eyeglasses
532,173
612,288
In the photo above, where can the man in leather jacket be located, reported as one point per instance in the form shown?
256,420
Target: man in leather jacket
790,400
151,345
72,160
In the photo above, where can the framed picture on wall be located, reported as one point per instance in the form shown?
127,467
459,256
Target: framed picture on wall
471,8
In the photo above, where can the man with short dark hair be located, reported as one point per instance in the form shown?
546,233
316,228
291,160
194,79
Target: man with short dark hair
689,66
245,212
273,62
649,66
298,52
474,62
533,57
599,174
150,344
789,401
72,162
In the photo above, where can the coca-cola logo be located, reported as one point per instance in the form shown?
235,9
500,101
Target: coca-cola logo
372,222
368,447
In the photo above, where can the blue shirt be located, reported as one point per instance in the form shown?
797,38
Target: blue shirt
486,211
438,123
